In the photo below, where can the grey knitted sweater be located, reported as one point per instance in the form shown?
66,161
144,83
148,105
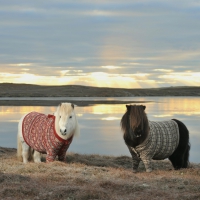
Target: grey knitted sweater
161,142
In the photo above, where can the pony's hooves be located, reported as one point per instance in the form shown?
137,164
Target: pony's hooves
134,170
149,170
37,161
177,168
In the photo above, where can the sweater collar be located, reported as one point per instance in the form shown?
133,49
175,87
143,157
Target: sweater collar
67,141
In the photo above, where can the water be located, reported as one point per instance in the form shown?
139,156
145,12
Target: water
100,124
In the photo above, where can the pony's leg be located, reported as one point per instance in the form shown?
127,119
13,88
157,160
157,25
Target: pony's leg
51,155
147,164
19,147
135,159
176,160
62,157
25,152
19,140
37,157
180,160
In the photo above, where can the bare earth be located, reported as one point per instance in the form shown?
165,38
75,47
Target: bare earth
94,177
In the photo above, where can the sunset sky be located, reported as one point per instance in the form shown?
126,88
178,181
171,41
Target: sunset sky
105,43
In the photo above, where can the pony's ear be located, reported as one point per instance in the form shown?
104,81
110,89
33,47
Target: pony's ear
60,104
72,105
144,107
128,107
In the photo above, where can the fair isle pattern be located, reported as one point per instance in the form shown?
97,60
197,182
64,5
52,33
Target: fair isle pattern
162,141
39,132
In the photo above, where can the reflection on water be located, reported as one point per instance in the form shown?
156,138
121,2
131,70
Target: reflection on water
100,124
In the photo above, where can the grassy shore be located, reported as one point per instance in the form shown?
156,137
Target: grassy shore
94,177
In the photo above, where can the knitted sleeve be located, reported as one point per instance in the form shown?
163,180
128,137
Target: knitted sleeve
51,155
135,159
62,152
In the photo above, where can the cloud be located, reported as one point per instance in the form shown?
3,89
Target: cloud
76,39
110,67
163,70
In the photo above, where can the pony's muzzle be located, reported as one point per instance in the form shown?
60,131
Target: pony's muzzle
63,132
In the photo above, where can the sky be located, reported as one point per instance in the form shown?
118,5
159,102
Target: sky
104,43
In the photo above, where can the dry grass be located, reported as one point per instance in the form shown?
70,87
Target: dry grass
94,177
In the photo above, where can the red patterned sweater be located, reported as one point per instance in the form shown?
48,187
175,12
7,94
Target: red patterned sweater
39,133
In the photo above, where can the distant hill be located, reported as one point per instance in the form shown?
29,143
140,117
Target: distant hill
28,90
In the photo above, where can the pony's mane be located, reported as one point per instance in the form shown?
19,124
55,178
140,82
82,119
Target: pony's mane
135,116
138,117
66,108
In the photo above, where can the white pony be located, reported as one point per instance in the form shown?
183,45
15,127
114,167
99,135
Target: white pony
51,134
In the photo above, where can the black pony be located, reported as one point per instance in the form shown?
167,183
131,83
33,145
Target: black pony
148,140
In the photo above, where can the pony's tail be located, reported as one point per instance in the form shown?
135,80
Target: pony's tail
19,148
186,162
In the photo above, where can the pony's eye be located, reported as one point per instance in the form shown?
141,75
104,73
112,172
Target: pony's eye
70,117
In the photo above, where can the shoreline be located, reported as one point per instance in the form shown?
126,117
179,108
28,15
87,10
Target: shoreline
57,102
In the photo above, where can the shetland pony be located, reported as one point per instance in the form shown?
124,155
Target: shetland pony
50,134
148,140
